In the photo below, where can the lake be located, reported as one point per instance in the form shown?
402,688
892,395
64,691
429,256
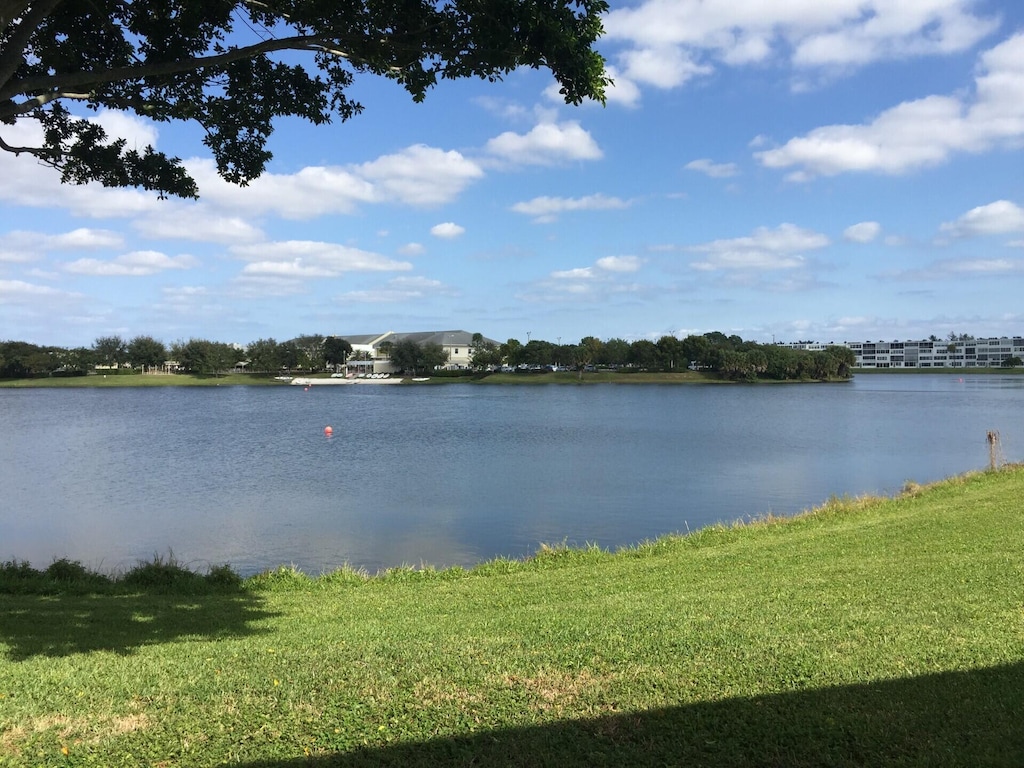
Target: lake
460,473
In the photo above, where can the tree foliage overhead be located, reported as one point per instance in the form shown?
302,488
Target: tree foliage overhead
233,66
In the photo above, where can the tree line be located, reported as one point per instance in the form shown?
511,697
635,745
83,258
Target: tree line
730,356
20,359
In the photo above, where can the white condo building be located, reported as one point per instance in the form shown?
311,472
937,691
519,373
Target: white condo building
942,353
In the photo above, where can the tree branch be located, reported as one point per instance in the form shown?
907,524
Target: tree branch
40,153
59,83
14,50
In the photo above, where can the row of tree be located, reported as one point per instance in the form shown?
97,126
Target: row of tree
19,359
730,356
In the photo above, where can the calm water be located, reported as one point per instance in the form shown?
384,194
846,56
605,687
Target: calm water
457,474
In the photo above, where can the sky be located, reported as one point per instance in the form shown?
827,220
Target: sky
782,170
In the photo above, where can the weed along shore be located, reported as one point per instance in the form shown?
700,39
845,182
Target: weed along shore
866,632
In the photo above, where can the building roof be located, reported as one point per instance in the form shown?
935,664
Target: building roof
443,338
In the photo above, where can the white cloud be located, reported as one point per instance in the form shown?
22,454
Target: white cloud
448,230
199,223
670,41
134,264
623,91
311,192
420,175
546,209
300,259
400,289
619,263
998,218
864,232
596,283
712,169
22,246
546,144
921,133
412,249
667,67
896,30
766,249
137,133
958,269
601,281
18,291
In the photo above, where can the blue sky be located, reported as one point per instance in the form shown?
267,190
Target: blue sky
778,169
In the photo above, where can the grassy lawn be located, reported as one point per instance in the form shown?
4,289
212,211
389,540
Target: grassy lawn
236,379
870,632
146,380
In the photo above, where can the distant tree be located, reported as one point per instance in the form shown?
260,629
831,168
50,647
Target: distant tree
588,352
41,361
404,355
311,348
191,355
845,359
1012,362
78,360
408,356
146,352
672,353
736,365
484,354
643,354
110,350
336,350
512,352
200,356
264,356
290,355
432,356
615,352
538,352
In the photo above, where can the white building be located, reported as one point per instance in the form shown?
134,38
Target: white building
373,348
965,353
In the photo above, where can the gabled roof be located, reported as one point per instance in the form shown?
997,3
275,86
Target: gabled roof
443,338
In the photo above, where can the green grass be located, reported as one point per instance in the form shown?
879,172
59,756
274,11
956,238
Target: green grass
869,632
146,380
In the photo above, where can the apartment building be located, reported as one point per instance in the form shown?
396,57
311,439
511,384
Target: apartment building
966,353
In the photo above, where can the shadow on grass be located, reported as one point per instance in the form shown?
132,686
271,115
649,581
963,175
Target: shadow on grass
61,625
951,719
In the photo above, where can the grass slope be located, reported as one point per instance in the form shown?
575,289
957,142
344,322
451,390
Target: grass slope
872,632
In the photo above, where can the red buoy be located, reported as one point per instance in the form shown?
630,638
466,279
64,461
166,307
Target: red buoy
328,431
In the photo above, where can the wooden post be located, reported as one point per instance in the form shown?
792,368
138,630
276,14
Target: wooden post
993,449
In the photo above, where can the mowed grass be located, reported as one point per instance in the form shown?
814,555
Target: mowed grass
869,632
142,380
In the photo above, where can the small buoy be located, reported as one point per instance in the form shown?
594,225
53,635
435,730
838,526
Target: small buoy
328,431
306,389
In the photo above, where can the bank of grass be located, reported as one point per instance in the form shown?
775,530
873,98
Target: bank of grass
242,379
868,632
145,380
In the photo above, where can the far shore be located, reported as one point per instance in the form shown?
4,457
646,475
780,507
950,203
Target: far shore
560,377
446,377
